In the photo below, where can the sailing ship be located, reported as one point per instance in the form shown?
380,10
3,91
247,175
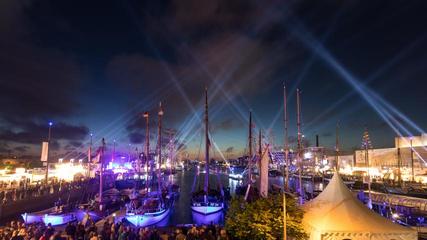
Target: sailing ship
63,213
207,201
155,206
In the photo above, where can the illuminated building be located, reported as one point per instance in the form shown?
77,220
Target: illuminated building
401,154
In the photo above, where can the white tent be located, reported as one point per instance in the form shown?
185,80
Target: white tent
337,215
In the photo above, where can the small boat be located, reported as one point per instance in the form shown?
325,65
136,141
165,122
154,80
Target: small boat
59,218
206,204
179,167
152,211
57,215
236,172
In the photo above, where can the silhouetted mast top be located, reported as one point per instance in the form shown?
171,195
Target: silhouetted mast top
285,113
206,187
159,149
250,148
147,147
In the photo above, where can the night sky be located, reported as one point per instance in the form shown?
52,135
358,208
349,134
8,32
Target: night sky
94,66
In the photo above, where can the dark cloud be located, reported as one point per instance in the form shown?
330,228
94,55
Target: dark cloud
327,134
4,148
229,150
75,143
225,125
33,133
56,55
136,138
21,149
37,83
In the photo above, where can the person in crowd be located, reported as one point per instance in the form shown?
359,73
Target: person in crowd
108,231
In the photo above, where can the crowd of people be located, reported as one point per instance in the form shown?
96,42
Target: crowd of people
27,191
109,231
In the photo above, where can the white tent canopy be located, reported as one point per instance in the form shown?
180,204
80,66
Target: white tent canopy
337,214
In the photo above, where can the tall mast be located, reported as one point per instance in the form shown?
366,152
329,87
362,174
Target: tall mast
250,147
366,144
171,149
159,149
399,162
412,161
337,148
114,150
260,144
207,143
286,165
299,146
89,156
101,163
285,110
147,147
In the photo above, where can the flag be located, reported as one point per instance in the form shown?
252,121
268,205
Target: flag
89,155
45,149
97,158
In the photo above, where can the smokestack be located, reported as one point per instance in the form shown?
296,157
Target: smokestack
317,140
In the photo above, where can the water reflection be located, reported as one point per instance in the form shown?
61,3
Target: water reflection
182,214
201,219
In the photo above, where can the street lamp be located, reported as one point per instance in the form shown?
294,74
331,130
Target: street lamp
47,158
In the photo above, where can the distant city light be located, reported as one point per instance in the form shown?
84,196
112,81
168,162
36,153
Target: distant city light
308,155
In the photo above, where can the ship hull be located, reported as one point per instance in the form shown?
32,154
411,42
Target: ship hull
49,216
206,210
59,219
147,219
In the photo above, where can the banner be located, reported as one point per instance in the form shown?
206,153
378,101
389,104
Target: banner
263,173
45,150
89,155
96,159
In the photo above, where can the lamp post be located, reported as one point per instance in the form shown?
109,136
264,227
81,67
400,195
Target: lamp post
89,157
47,158
369,174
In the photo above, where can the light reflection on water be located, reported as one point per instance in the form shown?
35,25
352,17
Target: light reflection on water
182,214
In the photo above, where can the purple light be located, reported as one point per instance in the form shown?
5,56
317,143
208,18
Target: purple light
147,219
202,219
50,123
